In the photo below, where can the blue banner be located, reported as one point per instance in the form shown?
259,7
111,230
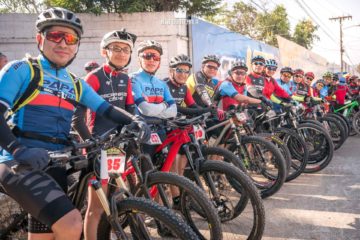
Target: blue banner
207,38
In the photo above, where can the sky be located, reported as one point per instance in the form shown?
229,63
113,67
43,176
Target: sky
329,31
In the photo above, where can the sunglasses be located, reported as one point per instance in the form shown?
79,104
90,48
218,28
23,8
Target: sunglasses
308,78
58,36
258,63
149,56
272,68
125,50
211,67
180,70
298,76
287,75
240,73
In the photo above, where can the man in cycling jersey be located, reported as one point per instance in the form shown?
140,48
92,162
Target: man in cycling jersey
202,84
232,89
115,87
284,81
43,124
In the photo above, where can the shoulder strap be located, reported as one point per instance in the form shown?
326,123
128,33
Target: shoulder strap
35,81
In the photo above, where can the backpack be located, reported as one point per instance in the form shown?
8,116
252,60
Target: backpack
35,85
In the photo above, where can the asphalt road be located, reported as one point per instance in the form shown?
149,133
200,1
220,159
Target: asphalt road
321,206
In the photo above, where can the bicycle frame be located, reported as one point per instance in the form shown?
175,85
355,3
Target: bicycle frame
349,107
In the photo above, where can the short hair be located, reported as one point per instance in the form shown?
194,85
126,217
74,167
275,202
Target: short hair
2,55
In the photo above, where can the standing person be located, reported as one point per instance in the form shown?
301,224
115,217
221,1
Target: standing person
309,77
3,60
301,88
354,86
327,77
202,83
115,87
340,92
51,103
316,89
89,66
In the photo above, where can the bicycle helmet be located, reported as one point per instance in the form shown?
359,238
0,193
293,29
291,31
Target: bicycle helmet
310,75
321,82
121,36
353,77
271,63
89,66
180,59
59,17
286,70
258,58
327,74
211,58
298,72
149,44
342,81
238,65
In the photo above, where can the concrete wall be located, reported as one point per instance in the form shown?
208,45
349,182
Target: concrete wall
17,36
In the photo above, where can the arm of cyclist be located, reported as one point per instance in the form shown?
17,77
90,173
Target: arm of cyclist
79,123
227,89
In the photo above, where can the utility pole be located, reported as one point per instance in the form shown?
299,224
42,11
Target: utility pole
341,18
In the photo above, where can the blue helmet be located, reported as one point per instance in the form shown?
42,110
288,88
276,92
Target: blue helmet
271,63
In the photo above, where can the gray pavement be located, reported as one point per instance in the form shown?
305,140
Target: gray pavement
321,206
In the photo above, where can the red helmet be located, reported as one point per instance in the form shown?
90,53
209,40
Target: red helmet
89,66
298,72
310,75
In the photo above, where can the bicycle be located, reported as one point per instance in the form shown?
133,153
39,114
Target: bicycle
124,215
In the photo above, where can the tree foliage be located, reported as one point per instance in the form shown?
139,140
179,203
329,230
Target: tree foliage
304,33
264,25
20,6
200,7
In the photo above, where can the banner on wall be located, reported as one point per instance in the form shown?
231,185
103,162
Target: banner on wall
207,38
296,56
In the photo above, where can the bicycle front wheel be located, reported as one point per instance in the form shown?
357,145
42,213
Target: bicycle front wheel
147,220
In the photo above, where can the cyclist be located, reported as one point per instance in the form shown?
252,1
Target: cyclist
43,123
202,84
3,60
327,77
316,89
232,90
89,66
340,92
115,87
284,81
354,86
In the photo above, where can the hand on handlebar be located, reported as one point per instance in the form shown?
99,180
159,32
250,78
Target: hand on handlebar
141,129
34,158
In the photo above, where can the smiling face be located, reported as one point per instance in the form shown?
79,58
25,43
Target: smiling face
118,53
149,60
210,69
58,53
180,73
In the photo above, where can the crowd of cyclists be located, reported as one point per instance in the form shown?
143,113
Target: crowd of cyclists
43,101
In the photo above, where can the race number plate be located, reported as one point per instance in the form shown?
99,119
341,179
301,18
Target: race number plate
199,132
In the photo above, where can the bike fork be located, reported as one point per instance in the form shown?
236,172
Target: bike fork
118,231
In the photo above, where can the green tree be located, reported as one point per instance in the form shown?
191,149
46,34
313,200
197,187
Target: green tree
20,6
200,7
304,33
270,24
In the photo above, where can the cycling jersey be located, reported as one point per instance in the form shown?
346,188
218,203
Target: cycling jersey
354,89
228,90
181,94
286,86
152,96
301,89
268,85
115,88
48,114
201,88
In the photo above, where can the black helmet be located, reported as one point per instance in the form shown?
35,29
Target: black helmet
180,59
118,36
238,65
59,17
286,70
320,81
258,58
89,66
149,44
211,58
